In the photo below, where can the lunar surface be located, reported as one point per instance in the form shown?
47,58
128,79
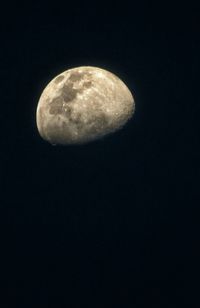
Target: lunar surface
83,104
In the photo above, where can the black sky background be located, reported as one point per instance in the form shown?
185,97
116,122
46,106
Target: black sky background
114,223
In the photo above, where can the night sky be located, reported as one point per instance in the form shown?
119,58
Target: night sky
113,223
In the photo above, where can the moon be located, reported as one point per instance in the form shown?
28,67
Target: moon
83,104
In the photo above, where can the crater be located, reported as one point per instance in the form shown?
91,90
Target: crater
68,93
56,106
59,79
68,111
77,120
87,84
99,121
76,76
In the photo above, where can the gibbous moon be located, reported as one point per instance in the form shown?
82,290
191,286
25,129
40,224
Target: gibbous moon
83,104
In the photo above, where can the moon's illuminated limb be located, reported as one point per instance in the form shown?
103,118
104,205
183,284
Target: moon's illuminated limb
83,104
